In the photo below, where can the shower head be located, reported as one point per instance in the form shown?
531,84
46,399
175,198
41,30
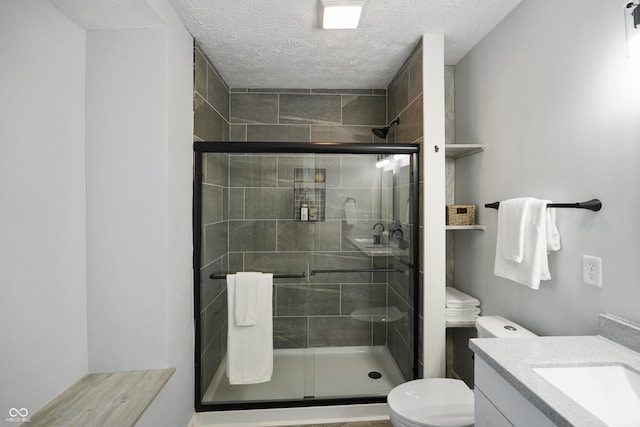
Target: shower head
382,132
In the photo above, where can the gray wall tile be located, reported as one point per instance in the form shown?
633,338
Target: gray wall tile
290,332
215,241
308,300
338,331
216,169
307,109
362,295
252,236
336,198
210,288
361,171
212,204
411,128
415,76
217,93
277,262
253,171
200,77
257,108
208,124
268,203
237,132
340,261
364,110
337,133
278,133
236,203
308,236
287,165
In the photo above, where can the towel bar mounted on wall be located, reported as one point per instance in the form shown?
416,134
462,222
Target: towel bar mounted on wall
357,270
593,205
275,276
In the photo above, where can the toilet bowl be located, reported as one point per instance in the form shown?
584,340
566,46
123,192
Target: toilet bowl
432,402
445,402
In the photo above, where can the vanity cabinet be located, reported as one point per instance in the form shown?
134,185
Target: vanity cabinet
499,404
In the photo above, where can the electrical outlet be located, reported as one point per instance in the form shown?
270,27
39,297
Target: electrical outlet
592,270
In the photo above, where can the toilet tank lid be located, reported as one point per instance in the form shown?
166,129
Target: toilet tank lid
500,327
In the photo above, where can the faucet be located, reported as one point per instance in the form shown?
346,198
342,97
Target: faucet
376,237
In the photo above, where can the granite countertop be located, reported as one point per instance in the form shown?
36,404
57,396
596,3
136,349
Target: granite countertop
515,363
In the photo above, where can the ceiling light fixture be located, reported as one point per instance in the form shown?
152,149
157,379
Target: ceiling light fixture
340,14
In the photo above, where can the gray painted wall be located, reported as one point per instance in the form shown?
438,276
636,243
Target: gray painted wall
551,93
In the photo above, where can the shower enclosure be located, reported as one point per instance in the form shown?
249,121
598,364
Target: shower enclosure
336,224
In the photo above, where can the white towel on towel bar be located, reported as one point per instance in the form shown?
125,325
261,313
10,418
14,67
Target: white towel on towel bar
512,214
250,348
540,236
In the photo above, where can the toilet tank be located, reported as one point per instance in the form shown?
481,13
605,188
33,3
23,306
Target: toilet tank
499,327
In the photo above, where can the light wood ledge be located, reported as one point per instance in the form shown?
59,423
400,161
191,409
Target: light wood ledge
105,399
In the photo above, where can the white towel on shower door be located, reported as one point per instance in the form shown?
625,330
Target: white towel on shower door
250,348
247,300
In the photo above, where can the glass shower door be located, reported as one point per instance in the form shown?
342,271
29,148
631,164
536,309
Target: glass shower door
344,309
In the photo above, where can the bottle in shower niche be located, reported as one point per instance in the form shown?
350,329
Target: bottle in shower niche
304,212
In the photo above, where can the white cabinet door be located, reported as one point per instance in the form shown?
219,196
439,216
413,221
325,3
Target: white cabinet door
508,401
486,414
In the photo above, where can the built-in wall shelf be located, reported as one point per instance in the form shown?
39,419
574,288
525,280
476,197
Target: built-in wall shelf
455,151
465,227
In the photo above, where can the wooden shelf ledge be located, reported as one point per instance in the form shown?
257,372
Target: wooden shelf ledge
105,399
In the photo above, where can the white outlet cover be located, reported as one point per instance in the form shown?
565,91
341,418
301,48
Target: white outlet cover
592,270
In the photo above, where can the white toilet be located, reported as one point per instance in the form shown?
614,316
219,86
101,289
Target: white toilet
445,402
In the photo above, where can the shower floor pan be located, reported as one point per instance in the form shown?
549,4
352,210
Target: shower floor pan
324,372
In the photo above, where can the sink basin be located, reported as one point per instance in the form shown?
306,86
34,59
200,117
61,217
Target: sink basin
610,392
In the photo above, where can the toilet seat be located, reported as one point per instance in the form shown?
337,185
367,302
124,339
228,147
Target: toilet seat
433,402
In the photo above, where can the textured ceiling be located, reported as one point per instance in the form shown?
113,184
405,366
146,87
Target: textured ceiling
109,14
278,43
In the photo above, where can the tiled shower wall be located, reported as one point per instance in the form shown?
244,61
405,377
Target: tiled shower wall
211,123
301,115
306,115
211,101
268,115
405,102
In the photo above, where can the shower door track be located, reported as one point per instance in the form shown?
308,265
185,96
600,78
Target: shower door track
301,148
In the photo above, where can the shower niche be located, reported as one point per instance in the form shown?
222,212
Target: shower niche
345,310
309,194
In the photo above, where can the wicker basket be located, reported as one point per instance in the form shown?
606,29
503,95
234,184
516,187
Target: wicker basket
461,214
